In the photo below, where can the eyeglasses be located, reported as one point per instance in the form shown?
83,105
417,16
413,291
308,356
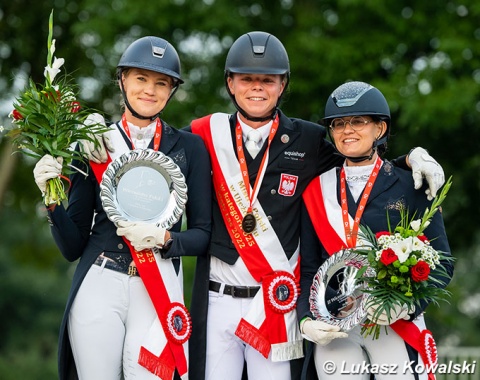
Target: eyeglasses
357,123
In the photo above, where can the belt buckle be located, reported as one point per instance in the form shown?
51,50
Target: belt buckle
230,290
239,291
132,270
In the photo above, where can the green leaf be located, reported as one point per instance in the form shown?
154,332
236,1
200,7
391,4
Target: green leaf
382,274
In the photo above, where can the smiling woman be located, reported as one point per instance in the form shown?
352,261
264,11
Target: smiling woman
147,92
125,315
368,193
358,116
256,93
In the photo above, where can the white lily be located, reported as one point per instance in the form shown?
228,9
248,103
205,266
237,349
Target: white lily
51,72
402,249
415,224
417,244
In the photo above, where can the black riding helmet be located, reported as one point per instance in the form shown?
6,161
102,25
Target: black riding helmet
150,53
257,53
359,99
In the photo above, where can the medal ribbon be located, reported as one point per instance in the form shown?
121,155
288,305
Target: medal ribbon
351,232
252,195
156,139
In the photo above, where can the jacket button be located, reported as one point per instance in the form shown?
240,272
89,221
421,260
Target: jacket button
120,246
269,217
273,191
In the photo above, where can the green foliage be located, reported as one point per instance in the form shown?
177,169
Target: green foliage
406,270
422,55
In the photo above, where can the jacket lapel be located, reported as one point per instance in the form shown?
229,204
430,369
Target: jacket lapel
169,139
386,179
285,136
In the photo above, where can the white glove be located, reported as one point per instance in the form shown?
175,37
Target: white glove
47,168
396,313
320,332
96,152
424,165
142,235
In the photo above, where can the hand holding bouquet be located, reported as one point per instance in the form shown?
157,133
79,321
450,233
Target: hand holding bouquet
407,269
48,119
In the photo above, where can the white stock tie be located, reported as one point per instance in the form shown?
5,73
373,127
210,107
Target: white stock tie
253,142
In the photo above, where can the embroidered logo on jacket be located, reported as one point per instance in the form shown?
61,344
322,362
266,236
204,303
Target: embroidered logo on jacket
294,155
288,184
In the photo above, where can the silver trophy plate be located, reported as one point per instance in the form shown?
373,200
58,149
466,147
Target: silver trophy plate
144,185
336,295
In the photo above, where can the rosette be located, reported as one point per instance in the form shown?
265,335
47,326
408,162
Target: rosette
280,291
428,348
178,323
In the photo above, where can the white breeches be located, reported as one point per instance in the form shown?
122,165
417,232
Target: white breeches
353,358
108,321
226,353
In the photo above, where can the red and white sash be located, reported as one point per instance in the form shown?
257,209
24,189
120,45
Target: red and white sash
320,198
165,348
271,323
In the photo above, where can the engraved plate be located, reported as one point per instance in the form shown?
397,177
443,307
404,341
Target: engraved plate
336,295
144,185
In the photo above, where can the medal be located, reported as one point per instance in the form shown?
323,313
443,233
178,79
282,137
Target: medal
249,223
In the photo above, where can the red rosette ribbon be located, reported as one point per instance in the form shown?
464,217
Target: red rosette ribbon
428,351
178,323
280,292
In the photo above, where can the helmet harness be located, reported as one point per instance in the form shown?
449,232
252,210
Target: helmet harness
355,99
154,54
257,53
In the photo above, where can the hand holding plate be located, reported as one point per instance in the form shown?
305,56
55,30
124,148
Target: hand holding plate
320,332
142,235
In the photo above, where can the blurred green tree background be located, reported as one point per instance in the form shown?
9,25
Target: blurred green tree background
423,55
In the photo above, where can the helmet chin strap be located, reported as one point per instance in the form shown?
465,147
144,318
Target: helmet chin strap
135,113
257,119
375,144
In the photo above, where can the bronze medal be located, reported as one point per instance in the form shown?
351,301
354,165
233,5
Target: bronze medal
249,223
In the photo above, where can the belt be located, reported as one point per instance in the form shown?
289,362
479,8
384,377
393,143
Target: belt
118,266
235,291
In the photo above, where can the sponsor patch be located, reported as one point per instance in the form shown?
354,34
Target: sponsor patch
294,155
288,184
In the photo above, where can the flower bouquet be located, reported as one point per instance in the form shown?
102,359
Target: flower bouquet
407,269
47,119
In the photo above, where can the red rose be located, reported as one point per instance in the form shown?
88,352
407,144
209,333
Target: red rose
420,271
76,107
423,238
17,115
388,256
382,233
